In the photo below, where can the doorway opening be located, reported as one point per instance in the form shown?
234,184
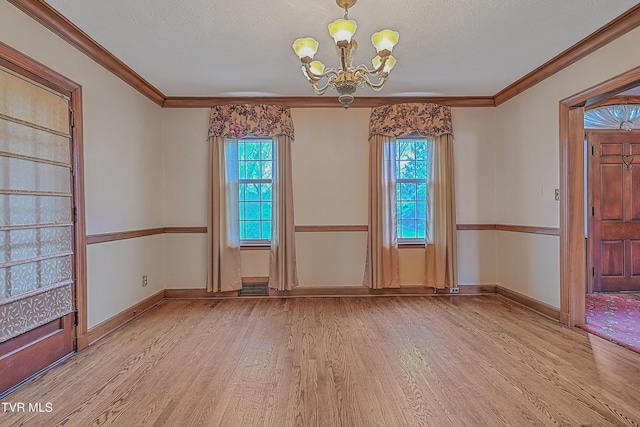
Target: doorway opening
574,263
612,214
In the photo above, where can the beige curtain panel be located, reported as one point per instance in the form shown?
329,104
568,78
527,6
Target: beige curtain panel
223,227
440,251
283,274
381,265
386,124
227,124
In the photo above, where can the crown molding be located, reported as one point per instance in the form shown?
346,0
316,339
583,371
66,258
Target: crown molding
606,34
325,102
58,24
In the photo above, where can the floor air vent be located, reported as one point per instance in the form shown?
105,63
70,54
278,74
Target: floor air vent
252,289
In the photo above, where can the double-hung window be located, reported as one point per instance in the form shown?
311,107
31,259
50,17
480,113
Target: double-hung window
255,172
413,176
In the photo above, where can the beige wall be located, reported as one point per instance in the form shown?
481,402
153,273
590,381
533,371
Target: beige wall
330,175
527,168
123,168
146,167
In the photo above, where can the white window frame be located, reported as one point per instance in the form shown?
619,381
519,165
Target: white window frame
258,181
400,181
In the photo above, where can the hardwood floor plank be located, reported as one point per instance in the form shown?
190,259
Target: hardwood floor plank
388,361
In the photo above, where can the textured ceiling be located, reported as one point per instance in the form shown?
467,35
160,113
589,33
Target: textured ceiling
243,47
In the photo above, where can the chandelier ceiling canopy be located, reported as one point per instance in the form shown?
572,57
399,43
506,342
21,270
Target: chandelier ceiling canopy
347,78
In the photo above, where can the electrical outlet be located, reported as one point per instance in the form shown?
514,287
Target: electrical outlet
455,290
557,194
145,282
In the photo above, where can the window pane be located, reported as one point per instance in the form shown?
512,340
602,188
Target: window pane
421,170
408,210
407,191
252,192
266,210
422,209
267,172
422,191
266,230
242,173
405,150
267,150
406,169
253,230
253,210
420,150
253,170
252,150
420,229
242,191
408,228
241,150
243,234
266,190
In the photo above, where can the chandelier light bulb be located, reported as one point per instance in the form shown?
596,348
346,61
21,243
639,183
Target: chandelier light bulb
305,47
342,30
385,40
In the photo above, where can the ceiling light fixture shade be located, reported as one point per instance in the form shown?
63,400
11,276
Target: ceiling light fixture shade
347,78
377,62
305,48
385,40
342,30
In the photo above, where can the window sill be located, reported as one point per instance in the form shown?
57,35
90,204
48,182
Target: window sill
255,247
411,245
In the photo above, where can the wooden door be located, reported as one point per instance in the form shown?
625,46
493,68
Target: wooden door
36,228
614,180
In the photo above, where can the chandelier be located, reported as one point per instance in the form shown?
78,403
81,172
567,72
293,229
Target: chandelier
347,79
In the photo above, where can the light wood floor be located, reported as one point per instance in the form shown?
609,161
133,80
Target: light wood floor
390,361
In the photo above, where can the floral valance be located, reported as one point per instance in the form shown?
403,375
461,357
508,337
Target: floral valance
404,119
238,121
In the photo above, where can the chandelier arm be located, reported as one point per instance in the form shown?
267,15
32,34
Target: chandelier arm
313,77
363,68
375,86
320,90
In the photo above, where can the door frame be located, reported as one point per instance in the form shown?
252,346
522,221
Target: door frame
34,70
573,245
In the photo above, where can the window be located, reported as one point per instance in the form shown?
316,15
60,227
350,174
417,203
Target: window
413,171
255,163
